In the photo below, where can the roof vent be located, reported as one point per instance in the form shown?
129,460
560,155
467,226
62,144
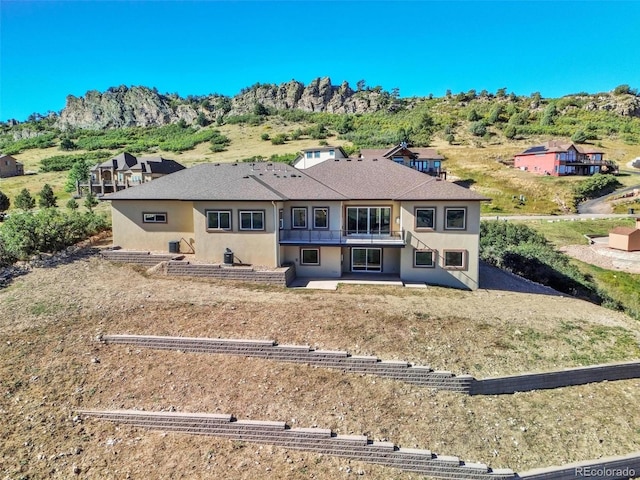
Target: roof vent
348,159
375,159
216,164
235,164
337,160
360,159
246,176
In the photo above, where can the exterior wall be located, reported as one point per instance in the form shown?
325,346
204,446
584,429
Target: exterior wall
628,243
440,240
250,247
335,216
131,233
10,167
305,162
329,267
541,164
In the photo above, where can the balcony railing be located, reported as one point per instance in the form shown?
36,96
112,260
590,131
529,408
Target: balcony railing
340,237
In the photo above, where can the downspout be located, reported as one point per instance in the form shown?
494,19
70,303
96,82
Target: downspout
276,227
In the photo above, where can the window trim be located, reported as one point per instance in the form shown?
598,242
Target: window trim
315,227
434,256
446,220
219,229
303,263
145,220
415,216
465,259
262,212
293,218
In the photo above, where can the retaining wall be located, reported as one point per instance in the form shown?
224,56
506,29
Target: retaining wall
318,440
339,359
394,369
177,266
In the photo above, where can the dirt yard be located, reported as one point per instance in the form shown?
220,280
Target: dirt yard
51,366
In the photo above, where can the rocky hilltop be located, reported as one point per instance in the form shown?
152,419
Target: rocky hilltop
141,106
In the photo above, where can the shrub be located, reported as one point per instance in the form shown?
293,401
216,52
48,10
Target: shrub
49,230
510,132
5,203
278,139
478,129
265,137
579,137
595,186
47,198
473,116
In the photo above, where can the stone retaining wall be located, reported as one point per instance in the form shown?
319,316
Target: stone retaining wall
395,369
268,349
318,440
176,265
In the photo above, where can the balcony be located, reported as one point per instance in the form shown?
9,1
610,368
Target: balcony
341,237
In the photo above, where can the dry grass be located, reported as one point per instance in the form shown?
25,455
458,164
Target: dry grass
50,317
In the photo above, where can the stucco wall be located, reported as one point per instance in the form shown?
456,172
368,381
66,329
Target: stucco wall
440,240
131,233
251,247
329,262
537,163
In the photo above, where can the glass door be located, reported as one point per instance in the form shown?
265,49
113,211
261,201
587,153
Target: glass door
366,259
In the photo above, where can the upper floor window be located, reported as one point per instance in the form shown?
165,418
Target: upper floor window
155,217
251,219
320,217
218,219
425,218
299,217
398,160
316,154
332,153
455,219
309,154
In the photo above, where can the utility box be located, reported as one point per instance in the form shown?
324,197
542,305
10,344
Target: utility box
228,257
174,247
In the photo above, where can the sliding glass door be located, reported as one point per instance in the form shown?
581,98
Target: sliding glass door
366,259
368,220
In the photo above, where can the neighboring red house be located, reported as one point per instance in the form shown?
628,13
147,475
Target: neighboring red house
559,158
425,160
625,238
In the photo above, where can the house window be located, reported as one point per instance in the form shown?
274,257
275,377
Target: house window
571,155
424,258
425,218
420,165
158,217
251,219
316,154
369,220
455,259
299,217
309,154
281,219
218,219
399,160
455,219
320,217
309,256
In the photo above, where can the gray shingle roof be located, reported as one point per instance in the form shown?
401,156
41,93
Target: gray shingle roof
125,162
371,179
343,179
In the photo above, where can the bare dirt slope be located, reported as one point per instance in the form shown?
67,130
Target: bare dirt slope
51,365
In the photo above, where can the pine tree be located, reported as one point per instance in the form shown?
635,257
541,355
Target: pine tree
24,200
90,201
4,202
47,198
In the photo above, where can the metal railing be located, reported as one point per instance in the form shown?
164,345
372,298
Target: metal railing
341,237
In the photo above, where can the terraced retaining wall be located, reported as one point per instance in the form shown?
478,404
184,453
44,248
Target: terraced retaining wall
319,440
394,369
397,370
175,264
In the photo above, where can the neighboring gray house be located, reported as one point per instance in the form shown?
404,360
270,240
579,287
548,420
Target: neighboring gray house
10,167
425,160
126,171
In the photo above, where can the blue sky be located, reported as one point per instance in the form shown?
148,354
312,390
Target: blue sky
49,49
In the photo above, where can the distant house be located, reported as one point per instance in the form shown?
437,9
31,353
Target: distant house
313,156
126,171
425,160
340,216
559,158
10,167
625,238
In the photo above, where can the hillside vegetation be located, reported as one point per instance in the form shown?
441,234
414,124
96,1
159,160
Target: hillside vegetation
477,132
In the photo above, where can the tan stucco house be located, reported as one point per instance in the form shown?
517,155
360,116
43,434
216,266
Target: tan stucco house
10,167
126,170
342,215
625,238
